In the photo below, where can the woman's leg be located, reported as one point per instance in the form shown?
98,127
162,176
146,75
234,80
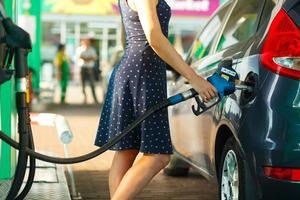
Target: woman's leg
139,175
122,161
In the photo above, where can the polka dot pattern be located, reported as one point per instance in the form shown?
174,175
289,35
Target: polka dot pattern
137,83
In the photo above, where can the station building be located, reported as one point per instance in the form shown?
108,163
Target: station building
69,21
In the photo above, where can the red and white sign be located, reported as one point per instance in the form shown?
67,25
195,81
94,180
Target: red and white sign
193,7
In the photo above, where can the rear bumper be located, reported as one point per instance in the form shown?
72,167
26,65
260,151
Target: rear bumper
279,190
270,136
276,189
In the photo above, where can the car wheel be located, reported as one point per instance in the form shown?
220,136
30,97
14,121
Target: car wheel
231,173
177,167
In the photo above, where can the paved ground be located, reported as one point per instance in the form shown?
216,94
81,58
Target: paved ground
91,176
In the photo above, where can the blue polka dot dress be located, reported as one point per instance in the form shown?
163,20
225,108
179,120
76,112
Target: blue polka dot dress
137,83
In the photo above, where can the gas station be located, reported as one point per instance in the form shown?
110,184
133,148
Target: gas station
30,32
49,22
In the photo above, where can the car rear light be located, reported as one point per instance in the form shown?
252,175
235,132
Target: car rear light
281,49
288,174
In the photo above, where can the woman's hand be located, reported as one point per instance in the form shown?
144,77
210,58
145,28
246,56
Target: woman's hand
204,88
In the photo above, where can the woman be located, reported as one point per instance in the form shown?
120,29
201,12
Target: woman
63,70
137,83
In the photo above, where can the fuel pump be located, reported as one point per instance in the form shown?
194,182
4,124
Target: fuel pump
18,45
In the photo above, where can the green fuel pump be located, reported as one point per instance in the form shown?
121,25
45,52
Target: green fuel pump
7,114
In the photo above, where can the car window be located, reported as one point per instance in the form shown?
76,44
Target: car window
241,24
204,40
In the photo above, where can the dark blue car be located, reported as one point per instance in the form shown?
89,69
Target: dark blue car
250,142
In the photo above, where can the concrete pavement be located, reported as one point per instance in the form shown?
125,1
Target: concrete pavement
91,176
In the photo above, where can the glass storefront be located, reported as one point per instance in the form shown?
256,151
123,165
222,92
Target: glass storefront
69,26
104,33
106,36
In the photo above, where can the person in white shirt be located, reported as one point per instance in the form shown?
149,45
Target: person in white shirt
87,57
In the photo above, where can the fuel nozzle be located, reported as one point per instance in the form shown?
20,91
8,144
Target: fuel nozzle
18,44
226,79
226,71
15,36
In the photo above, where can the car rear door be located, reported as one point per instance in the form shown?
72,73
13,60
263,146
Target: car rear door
238,33
185,127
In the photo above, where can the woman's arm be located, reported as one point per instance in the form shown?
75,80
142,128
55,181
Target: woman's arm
160,44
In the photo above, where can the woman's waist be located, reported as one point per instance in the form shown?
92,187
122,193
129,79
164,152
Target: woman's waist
144,55
143,63
137,39
138,49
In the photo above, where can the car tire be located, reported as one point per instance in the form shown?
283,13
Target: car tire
177,167
231,173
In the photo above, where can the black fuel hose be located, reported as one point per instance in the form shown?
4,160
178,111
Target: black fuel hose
23,121
32,168
20,172
164,104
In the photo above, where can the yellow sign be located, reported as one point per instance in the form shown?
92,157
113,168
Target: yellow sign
84,7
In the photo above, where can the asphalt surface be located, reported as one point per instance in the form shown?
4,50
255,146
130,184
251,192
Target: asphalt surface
91,177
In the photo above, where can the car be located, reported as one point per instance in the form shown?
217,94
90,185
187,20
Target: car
249,143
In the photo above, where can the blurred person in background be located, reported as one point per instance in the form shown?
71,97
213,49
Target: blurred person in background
97,67
87,56
62,70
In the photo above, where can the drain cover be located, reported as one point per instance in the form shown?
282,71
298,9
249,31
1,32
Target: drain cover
49,183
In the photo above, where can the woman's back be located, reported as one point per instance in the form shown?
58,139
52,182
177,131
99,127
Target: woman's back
133,28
